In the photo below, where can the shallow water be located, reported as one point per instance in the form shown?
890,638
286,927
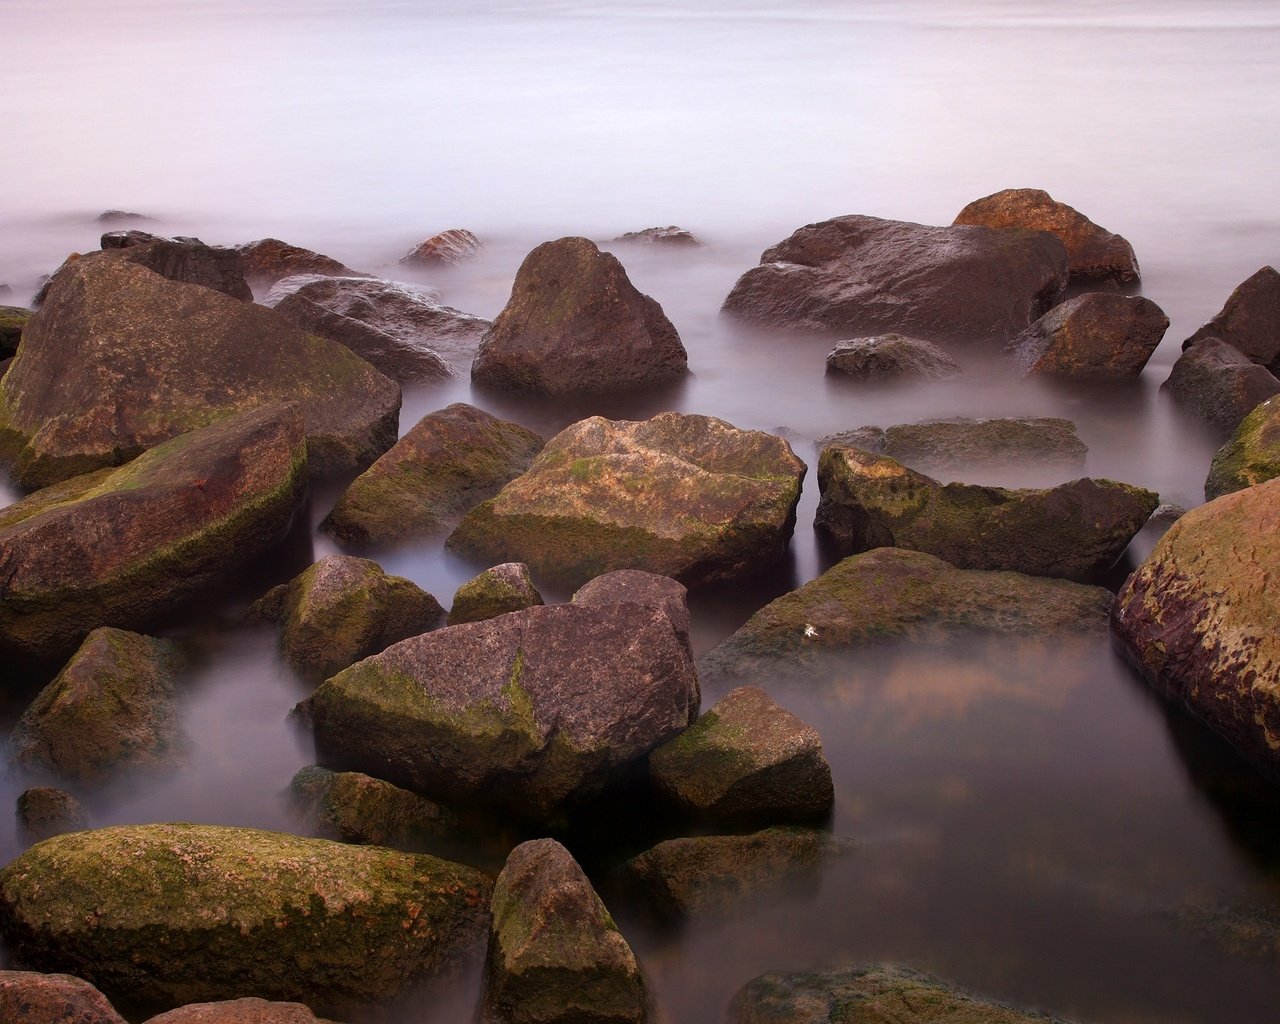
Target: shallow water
1029,821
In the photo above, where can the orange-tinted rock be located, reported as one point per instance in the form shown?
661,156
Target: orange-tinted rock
268,260
27,997
249,1010
457,245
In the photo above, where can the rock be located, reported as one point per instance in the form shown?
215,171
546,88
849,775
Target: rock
1076,530
172,914
1252,456
268,260
745,760
528,711
447,249
1095,336
863,276
1249,321
44,811
27,997
671,236
249,1010
5,291
357,808
575,324
129,547
119,359
450,461
111,708
555,954
889,594
496,591
690,497
891,357
342,609
870,994
1198,618
13,319
631,586
188,261
1093,253
121,216
1219,384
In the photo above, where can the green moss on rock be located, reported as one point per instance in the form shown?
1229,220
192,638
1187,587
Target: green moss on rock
357,808
496,591
1251,456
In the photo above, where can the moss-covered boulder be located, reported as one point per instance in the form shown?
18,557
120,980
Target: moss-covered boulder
27,997
891,357
249,1010
1249,320
13,320
111,707
342,609
45,811
129,547
685,496
357,808
889,594
267,260
1075,531
555,954
447,464
1095,336
746,760
504,588
1219,384
166,915
119,359
1251,456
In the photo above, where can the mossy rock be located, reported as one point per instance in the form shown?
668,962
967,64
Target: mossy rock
504,588
357,808
13,320
1252,456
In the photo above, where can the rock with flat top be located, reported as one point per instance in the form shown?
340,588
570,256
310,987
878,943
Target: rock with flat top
668,236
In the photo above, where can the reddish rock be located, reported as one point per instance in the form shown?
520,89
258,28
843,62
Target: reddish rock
1095,336
447,249
496,591
1219,383
45,811
27,997
1250,320
268,260
249,1010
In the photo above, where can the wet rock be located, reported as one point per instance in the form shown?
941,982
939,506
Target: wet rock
447,249
496,591
555,954
1076,530
27,997
173,914
1093,253
110,708
129,547
889,594
450,461
120,359
1219,384
1251,456
45,811
864,276
1095,336
188,261
1249,321
685,496
891,357
670,235
13,319
745,760
631,586
268,260
357,808
576,324
249,1010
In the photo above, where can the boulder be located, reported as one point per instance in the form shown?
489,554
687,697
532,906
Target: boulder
13,319
447,249
1251,456
447,464
1219,384
496,591
632,586
268,260
27,997
1093,253
685,496
166,915
121,217
342,609
891,357
129,547
45,811
112,707
1249,321
555,954
889,594
249,1010
357,808
864,276
745,760
576,324
1095,336
186,260
668,236
120,359
1076,530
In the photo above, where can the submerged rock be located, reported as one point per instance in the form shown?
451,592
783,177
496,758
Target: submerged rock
447,249
496,591
45,811
357,808
27,997
1219,384
13,320
1095,336
249,1010
891,357
1251,456
670,235
1249,321
268,260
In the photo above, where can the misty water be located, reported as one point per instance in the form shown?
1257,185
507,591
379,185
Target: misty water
1030,821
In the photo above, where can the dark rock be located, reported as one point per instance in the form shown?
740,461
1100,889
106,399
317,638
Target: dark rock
555,954
249,1010
188,261
129,238
4,366
1219,384
1252,456
1249,321
120,217
45,811
690,497
631,586
864,276
1076,530
1095,336
30,998
13,319
891,357
575,324
357,808
448,463
496,591
268,260
1164,517
670,235
447,249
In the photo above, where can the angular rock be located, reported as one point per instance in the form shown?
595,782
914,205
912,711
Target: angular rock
1075,531
120,359
670,235
496,591
13,319
129,547
1219,384
891,357
111,708
576,324
27,997
447,464
1095,336
186,260
1251,456
889,594
863,276
357,808
172,914
342,609
690,497
1093,253
44,811
268,260
631,586
1249,321
249,1010
447,249
555,954
745,760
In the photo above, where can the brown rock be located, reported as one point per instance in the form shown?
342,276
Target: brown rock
45,811
27,997
357,808
668,236
1219,384
1250,320
631,586
13,319
268,260
891,357
447,249
188,261
1095,336
249,1010
504,588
